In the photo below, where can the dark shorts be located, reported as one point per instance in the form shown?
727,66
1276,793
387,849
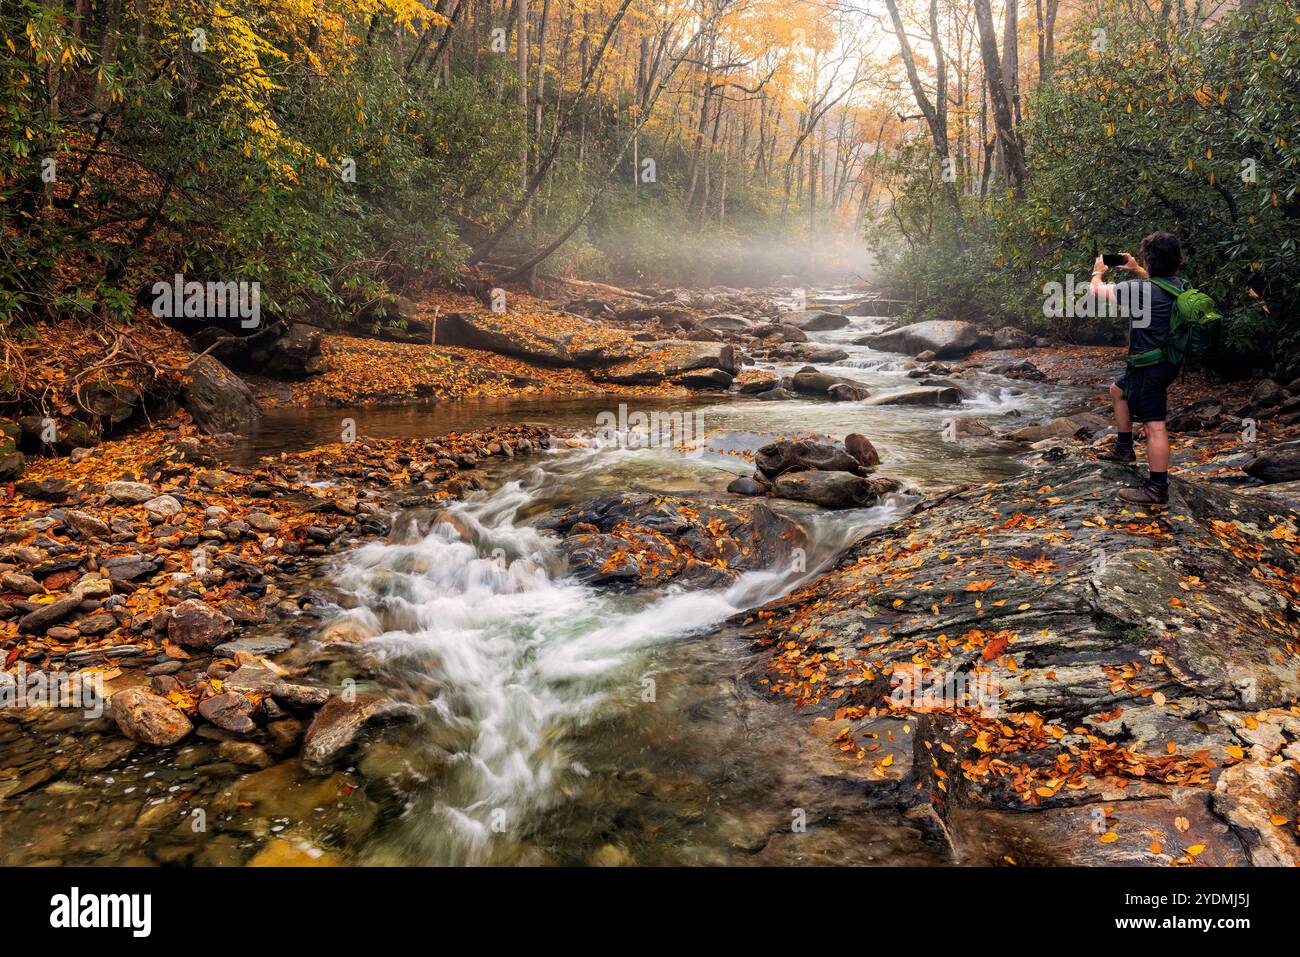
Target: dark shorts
1146,390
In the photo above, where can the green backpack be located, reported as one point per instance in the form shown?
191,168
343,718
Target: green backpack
1194,323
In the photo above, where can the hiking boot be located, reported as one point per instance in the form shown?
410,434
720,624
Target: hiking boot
1148,493
1124,458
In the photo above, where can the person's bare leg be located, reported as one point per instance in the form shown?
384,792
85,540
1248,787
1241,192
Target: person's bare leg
1123,421
1123,450
1157,447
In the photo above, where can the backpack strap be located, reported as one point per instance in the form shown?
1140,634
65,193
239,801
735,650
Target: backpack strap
1168,286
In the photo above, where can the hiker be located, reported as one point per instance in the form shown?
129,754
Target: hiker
1141,394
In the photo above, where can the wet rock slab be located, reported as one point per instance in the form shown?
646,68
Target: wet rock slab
1108,657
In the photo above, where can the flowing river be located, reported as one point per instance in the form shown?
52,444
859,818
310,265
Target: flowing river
562,723
567,723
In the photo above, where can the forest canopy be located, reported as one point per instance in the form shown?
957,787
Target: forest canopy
338,152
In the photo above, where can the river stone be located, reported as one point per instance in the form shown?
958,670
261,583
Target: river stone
931,395
131,567
797,455
254,645
129,493
860,447
229,711
148,718
946,338
671,358
745,486
50,614
815,382
832,489
727,322
246,754
1061,427
815,320
293,695
706,379
162,507
753,381
966,426
196,624
781,331
776,395
847,392
85,523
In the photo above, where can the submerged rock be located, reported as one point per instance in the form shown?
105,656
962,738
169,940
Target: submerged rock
340,722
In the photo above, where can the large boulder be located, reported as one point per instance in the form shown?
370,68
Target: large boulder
670,359
946,338
800,455
492,333
111,402
930,395
647,540
295,354
812,381
782,332
1009,337
547,340
815,320
832,489
218,400
1281,463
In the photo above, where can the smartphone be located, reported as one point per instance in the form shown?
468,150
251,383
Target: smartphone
1114,259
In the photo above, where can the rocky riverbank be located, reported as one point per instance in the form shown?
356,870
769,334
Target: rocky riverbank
1053,678
169,586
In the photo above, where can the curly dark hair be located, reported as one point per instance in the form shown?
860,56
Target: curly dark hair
1162,253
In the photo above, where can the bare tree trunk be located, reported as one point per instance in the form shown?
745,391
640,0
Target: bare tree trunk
938,132
1002,116
521,69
